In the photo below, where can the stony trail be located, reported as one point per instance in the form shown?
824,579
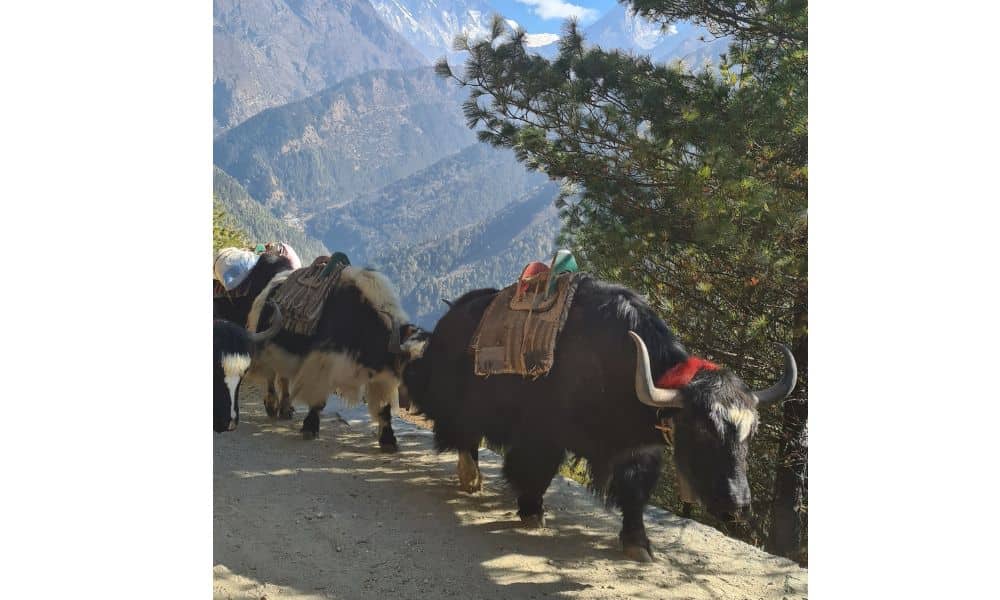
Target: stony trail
335,518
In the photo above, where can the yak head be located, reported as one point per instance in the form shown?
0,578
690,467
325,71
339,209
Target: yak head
234,350
409,358
226,404
712,416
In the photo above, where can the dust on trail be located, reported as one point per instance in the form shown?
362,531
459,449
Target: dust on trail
335,518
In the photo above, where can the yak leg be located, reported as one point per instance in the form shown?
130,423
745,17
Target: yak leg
386,437
469,478
314,396
632,483
530,470
270,398
285,408
310,425
381,395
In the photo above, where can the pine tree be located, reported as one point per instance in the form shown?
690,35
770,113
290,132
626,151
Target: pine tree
689,186
224,232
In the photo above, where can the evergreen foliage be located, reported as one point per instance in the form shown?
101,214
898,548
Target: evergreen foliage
490,253
224,232
691,187
257,222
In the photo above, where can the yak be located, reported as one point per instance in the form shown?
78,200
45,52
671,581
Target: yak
361,344
599,402
236,308
233,348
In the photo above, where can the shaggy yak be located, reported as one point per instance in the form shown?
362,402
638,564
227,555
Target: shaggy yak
598,401
361,344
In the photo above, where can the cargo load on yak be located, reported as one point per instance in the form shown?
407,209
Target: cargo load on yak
232,265
283,249
519,329
303,294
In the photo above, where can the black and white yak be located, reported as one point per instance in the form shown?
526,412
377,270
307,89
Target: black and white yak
361,344
233,348
237,309
598,401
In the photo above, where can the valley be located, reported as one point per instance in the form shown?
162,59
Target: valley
333,133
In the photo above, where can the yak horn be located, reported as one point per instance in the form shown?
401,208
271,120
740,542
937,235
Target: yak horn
648,393
785,385
270,332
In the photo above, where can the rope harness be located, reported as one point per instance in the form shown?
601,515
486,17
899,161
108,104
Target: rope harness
665,425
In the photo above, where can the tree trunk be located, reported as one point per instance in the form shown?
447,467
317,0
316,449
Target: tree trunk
785,538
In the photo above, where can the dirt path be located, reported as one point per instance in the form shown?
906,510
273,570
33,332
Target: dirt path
334,518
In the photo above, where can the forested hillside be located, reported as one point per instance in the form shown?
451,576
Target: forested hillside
488,254
466,187
355,137
259,225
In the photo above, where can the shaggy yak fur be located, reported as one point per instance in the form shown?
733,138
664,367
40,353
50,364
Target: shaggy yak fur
588,405
351,354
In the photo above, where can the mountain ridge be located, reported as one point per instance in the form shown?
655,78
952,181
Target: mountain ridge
348,139
271,52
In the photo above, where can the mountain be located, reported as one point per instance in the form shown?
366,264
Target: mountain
340,138
350,139
619,29
463,188
431,25
270,52
490,253
257,222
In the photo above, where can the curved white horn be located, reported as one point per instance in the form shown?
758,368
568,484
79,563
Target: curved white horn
276,322
648,393
785,385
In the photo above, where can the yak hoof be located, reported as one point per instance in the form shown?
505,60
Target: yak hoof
533,521
271,412
286,414
310,435
638,554
471,487
470,479
388,447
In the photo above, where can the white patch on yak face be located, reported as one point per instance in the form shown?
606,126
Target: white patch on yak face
414,348
233,367
741,417
231,382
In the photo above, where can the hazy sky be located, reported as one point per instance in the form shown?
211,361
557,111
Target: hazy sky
548,16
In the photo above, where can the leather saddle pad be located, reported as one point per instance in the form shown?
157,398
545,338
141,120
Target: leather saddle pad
302,296
518,334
